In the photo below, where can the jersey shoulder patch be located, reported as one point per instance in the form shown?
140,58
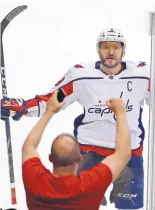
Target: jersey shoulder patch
141,64
78,66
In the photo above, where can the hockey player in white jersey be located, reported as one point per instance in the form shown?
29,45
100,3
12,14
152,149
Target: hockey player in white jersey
91,84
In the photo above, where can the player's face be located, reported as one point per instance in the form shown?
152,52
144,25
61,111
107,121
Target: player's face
110,53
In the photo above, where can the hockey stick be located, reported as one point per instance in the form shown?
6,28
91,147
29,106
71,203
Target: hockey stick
4,24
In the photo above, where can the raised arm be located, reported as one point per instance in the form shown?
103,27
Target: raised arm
29,149
122,155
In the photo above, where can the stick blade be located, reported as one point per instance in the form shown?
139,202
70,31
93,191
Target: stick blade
10,16
15,12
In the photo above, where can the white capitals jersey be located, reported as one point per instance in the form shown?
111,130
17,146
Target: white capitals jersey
88,85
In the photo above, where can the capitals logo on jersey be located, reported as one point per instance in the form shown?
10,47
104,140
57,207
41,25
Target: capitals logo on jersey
102,109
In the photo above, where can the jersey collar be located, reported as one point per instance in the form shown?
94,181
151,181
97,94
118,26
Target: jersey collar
123,66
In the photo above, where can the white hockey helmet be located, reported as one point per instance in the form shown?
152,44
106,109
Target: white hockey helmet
113,35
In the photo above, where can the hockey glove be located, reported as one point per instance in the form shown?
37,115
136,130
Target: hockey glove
12,107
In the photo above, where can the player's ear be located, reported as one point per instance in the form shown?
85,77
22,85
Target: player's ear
79,158
50,158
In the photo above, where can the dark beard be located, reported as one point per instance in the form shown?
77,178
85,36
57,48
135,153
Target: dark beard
103,61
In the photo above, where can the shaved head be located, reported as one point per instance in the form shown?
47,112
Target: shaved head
65,150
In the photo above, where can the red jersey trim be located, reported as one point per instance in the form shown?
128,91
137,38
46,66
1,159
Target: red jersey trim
107,152
68,90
